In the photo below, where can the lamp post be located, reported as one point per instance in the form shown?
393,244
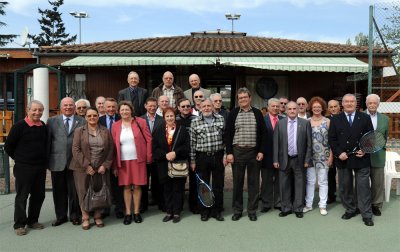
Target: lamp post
79,15
232,17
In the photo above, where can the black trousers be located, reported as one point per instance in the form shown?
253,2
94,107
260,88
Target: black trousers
155,188
174,189
211,166
66,202
363,190
192,200
292,181
270,193
245,159
332,182
28,181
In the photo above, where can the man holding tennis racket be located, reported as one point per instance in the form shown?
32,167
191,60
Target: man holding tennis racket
206,154
345,133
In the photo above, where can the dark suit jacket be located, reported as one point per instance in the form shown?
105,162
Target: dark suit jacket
157,122
160,148
103,119
125,95
269,143
81,149
60,142
230,130
304,142
343,138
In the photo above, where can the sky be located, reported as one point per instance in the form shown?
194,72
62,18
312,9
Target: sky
109,20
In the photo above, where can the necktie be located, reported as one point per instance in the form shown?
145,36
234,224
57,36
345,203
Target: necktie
350,121
291,139
66,124
274,121
111,122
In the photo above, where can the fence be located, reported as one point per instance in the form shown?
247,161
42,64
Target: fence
6,122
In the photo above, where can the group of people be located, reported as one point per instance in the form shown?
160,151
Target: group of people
128,143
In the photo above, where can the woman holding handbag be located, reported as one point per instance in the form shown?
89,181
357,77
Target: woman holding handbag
171,144
133,150
92,151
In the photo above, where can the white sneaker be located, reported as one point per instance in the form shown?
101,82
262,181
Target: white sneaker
307,209
322,211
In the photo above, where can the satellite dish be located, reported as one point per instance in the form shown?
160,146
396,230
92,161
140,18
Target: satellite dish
24,37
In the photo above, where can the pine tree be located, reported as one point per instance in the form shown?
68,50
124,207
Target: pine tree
52,26
4,38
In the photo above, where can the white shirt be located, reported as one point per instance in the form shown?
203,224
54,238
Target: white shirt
127,141
71,120
374,119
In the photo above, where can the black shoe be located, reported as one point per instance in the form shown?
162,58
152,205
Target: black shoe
299,214
59,222
330,200
195,211
219,217
265,209
376,211
176,218
76,222
236,216
204,217
348,216
252,217
284,214
368,222
167,218
137,218
358,211
127,219
119,215
278,208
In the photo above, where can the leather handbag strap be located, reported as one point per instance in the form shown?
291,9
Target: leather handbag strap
177,135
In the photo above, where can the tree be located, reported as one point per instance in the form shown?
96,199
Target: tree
4,38
391,33
359,40
52,26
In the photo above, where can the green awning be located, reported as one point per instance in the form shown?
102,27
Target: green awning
298,64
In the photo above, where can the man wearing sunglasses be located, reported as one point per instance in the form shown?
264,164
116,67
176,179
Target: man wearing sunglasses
194,81
282,108
197,97
81,106
302,104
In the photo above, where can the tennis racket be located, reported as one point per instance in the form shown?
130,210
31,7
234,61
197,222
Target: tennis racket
204,192
371,142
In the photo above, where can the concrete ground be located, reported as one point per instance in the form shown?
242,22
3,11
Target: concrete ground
270,233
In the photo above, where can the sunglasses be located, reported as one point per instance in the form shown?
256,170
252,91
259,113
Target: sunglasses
185,106
198,96
283,103
217,100
301,103
82,107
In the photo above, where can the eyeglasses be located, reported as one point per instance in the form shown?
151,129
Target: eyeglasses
82,107
217,100
89,116
198,96
300,103
185,106
283,103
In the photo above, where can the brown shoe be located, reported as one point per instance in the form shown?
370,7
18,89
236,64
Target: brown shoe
20,231
85,224
99,222
36,226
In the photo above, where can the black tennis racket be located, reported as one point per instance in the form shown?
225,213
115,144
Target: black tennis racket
371,142
204,192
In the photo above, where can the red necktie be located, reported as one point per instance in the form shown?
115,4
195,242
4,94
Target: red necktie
275,120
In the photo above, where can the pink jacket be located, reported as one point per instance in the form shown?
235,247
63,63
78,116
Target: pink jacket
143,141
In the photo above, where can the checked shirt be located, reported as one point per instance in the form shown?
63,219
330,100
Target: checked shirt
205,137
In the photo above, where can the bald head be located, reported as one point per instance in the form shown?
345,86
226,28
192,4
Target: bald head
194,81
168,79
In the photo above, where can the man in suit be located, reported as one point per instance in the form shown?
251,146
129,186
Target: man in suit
198,98
292,155
245,137
107,120
345,132
334,109
282,109
134,94
217,105
60,134
194,81
81,107
380,123
173,92
302,103
100,100
269,175
153,122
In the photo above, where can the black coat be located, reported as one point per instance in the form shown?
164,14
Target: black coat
268,147
343,138
160,148
103,119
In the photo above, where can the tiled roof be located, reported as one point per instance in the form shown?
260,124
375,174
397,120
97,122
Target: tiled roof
186,45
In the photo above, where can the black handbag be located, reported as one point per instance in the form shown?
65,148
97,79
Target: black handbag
97,200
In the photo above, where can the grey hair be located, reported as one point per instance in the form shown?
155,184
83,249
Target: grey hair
348,94
273,100
243,90
212,96
29,105
373,96
207,99
84,100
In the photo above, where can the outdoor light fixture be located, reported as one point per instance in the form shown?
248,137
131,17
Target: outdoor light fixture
232,17
79,15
